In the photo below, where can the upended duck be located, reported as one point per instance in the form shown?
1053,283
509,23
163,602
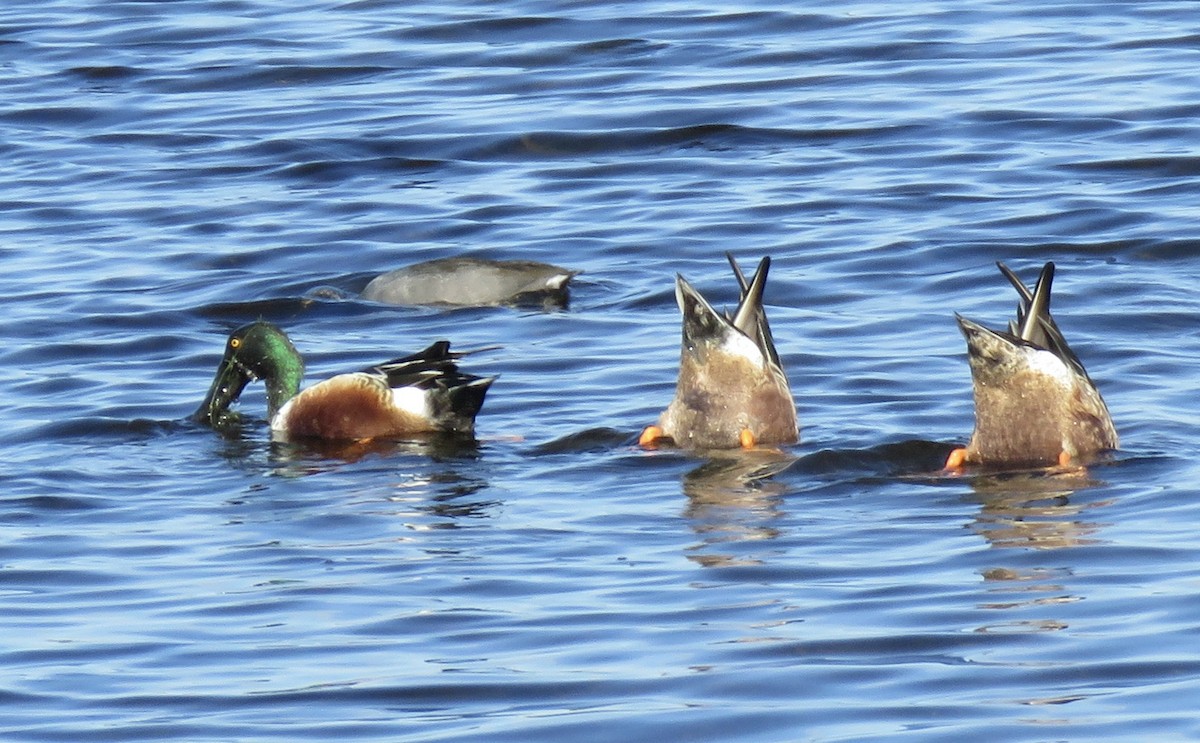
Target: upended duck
732,391
421,393
1034,401
466,282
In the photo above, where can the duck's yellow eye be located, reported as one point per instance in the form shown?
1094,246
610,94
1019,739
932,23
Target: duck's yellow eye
235,342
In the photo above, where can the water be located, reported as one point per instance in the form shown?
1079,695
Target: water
173,170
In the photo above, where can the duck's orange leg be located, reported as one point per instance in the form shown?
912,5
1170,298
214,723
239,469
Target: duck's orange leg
1064,459
650,435
746,438
957,459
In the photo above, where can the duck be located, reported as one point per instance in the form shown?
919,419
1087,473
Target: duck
417,394
472,282
1034,401
732,391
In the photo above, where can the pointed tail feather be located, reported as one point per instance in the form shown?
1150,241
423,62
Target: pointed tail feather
750,317
1038,310
737,271
1033,309
700,321
749,310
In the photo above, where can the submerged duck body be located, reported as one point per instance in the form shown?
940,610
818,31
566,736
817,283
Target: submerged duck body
471,282
421,393
1034,401
732,390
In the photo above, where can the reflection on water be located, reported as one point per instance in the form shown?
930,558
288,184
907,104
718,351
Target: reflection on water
1035,509
731,498
1032,582
303,456
1025,590
502,590
434,483
448,496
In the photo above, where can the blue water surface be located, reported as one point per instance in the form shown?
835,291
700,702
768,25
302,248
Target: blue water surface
173,170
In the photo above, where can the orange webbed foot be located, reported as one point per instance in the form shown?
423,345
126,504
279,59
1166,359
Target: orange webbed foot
746,438
957,459
650,436
1064,459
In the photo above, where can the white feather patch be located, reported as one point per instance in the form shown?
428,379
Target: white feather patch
738,344
1045,362
411,400
556,281
278,422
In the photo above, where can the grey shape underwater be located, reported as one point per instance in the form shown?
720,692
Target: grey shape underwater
472,282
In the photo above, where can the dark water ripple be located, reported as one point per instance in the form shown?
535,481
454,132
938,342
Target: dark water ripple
175,170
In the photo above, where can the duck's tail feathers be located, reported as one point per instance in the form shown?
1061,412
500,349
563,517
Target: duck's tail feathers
750,317
1033,308
423,368
455,402
1034,323
701,323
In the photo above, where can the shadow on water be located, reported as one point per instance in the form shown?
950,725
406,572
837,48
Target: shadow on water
99,427
591,440
910,458
276,310
734,466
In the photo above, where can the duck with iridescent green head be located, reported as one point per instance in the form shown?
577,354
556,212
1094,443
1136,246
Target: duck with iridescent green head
421,393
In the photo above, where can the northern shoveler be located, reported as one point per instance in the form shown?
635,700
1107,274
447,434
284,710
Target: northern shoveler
471,282
1034,401
732,390
421,393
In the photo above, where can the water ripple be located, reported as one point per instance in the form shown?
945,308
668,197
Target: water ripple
175,172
